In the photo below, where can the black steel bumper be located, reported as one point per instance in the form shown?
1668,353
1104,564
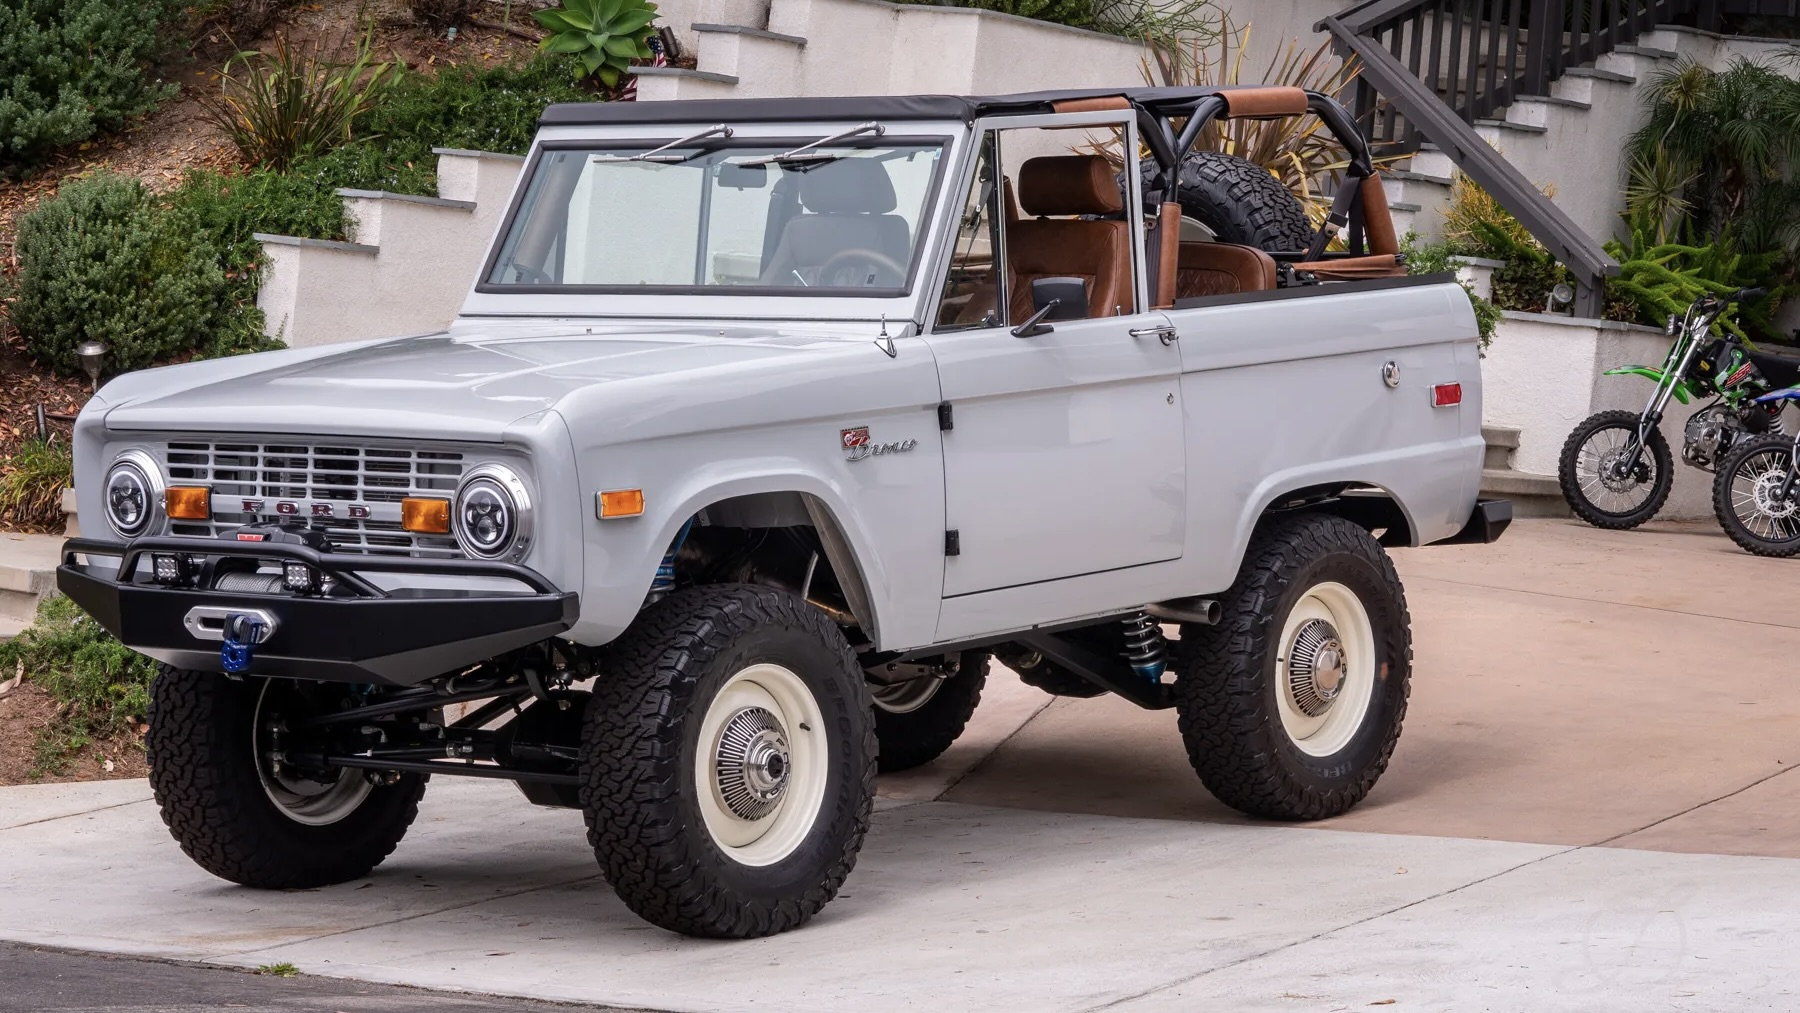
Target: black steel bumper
1485,525
362,634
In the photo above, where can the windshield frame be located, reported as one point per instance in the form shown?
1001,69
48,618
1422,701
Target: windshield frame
947,151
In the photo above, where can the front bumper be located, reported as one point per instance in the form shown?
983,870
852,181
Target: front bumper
366,635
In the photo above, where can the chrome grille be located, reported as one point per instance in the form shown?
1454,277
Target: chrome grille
351,491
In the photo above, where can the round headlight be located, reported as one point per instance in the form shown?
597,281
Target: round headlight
493,513
133,493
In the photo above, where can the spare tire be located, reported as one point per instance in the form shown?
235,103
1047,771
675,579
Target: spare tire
1239,202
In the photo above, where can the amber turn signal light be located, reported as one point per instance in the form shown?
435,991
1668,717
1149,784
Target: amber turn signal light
427,516
619,503
188,502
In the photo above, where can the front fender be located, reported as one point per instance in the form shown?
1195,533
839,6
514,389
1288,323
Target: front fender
1682,392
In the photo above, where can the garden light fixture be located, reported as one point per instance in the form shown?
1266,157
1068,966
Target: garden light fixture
91,353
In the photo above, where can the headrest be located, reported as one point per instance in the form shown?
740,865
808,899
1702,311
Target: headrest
1069,185
848,186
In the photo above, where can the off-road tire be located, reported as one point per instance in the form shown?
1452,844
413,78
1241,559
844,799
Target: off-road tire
1725,510
1570,483
1227,674
916,737
1242,203
639,782
203,773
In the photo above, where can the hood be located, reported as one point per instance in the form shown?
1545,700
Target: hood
456,385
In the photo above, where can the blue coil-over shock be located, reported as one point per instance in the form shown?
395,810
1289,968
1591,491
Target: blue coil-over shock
242,634
665,571
1145,648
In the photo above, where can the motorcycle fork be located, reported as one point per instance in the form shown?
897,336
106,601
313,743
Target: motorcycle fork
1674,368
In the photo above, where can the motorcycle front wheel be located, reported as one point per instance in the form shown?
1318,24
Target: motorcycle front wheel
1749,500
1598,480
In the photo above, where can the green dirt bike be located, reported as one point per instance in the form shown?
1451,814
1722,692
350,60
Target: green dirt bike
1616,470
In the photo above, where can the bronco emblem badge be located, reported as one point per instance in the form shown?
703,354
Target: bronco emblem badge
858,445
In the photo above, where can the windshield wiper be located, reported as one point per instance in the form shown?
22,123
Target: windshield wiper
656,154
804,152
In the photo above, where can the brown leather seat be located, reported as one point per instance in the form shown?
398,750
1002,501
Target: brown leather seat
847,204
1205,269
1046,246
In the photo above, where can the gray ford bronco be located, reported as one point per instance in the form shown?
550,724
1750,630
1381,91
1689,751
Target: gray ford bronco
766,427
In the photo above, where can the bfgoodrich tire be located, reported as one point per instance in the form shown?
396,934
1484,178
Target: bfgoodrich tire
1239,202
915,721
1291,705
728,762
246,820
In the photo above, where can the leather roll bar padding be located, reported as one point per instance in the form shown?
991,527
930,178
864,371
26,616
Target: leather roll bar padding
1377,220
1168,249
1263,102
1090,105
1380,265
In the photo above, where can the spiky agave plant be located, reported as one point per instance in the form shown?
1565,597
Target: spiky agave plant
604,35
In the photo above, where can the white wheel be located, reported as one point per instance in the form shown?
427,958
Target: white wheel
299,797
1326,669
761,766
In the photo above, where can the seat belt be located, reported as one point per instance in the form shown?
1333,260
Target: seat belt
1342,207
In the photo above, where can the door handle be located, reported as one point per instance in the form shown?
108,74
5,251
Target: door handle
1165,332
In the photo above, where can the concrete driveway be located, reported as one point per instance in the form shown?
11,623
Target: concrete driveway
1589,809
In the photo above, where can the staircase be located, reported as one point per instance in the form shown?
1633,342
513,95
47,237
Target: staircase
406,266
27,573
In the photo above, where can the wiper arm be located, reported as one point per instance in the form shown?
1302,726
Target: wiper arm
656,154
804,151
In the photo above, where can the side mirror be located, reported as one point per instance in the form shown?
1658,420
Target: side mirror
1066,298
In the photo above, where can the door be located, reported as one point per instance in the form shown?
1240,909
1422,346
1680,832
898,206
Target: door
1065,453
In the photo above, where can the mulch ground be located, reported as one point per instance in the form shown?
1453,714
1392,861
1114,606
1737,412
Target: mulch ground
26,711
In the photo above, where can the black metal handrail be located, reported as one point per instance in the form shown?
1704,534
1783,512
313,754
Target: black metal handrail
1431,68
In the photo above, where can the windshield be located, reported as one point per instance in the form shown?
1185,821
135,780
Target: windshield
839,219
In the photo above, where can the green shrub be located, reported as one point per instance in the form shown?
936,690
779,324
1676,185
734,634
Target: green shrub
32,481
103,260
102,685
604,36
292,103
70,69
1436,259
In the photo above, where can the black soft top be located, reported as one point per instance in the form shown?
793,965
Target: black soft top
1164,101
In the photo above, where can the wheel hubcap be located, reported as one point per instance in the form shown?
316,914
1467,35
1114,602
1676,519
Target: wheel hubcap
1316,667
1326,670
752,764
761,767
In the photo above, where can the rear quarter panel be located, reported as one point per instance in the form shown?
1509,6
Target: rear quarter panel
1288,393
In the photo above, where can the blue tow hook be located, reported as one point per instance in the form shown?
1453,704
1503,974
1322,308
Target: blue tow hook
242,634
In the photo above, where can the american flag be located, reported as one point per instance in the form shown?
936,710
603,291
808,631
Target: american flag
658,58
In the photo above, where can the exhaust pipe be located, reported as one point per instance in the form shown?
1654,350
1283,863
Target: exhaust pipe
1199,611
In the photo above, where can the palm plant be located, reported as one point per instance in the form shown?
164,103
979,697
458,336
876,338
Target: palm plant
1719,155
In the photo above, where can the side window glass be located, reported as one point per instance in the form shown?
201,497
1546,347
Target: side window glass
972,289
1072,241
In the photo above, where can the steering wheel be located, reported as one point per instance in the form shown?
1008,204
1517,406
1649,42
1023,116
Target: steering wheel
860,268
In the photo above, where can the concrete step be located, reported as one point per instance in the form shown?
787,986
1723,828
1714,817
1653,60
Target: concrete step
1582,84
661,84
1536,110
10,628
769,59
1500,442
377,216
28,563
1531,495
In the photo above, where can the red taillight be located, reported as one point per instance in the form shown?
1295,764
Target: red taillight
1446,395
